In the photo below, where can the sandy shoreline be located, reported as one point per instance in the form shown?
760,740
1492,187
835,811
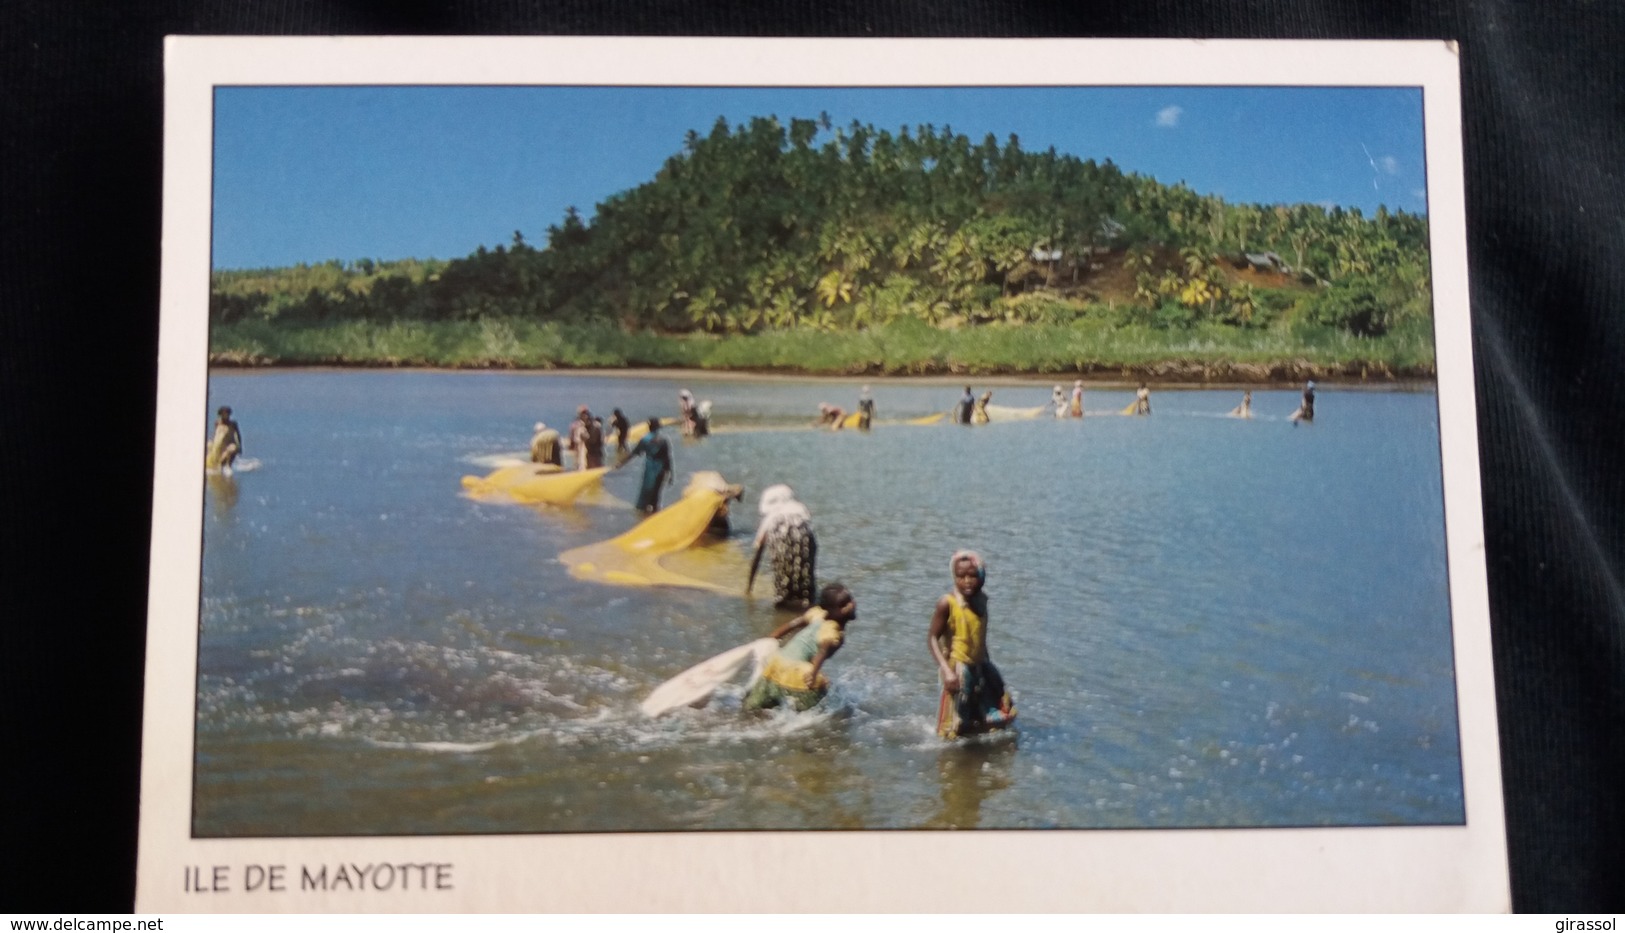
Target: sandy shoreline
928,379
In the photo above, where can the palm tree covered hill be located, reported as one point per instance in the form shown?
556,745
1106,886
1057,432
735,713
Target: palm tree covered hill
767,228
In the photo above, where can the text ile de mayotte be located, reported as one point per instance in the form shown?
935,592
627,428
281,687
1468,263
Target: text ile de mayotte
342,876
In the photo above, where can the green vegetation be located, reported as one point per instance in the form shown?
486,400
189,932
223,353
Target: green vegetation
1204,352
852,249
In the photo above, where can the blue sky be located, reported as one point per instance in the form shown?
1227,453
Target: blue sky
310,174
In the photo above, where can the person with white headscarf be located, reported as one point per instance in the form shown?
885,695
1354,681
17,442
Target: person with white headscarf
702,418
785,533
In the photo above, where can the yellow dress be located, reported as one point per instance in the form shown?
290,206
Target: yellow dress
982,702
967,633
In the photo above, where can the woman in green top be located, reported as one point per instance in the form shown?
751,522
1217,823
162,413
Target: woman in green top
791,676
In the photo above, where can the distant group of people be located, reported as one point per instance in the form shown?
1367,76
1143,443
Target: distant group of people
973,410
586,441
835,417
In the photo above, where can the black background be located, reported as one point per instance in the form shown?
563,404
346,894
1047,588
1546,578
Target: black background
1544,112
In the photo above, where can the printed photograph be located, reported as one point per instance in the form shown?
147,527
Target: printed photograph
588,459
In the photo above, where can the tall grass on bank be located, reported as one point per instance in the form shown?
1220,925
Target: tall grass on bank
899,348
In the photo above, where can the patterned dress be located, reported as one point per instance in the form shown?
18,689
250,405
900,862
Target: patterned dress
795,560
793,549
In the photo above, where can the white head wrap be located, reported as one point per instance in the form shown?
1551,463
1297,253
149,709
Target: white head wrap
774,496
779,507
973,557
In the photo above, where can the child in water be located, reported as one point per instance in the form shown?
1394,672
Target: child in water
974,697
227,443
791,676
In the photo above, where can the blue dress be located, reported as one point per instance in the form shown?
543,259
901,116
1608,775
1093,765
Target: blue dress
656,453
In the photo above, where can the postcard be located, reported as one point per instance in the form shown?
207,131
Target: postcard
816,475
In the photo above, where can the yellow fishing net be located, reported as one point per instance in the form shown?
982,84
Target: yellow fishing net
536,483
633,559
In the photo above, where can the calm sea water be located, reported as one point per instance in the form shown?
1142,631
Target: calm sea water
1206,622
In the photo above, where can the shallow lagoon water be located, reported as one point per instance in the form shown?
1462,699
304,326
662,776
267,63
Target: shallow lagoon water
1206,621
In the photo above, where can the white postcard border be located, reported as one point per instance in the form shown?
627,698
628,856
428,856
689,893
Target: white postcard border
1396,869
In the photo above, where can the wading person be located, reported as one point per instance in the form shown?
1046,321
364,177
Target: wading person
831,415
974,698
785,535
979,416
685,412
1076,409
702,418
967,405
226,445
1057,400
657,466
1306,408
544,446
792,675
1245,409
866,410
588,433
619,426
1142,400
720,525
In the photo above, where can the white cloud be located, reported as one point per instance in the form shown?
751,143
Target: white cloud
1169,116
1419,194
1389,164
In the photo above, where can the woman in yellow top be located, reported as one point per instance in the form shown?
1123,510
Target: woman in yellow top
791,675
974,698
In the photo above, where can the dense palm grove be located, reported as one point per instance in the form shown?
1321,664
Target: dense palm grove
766,227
